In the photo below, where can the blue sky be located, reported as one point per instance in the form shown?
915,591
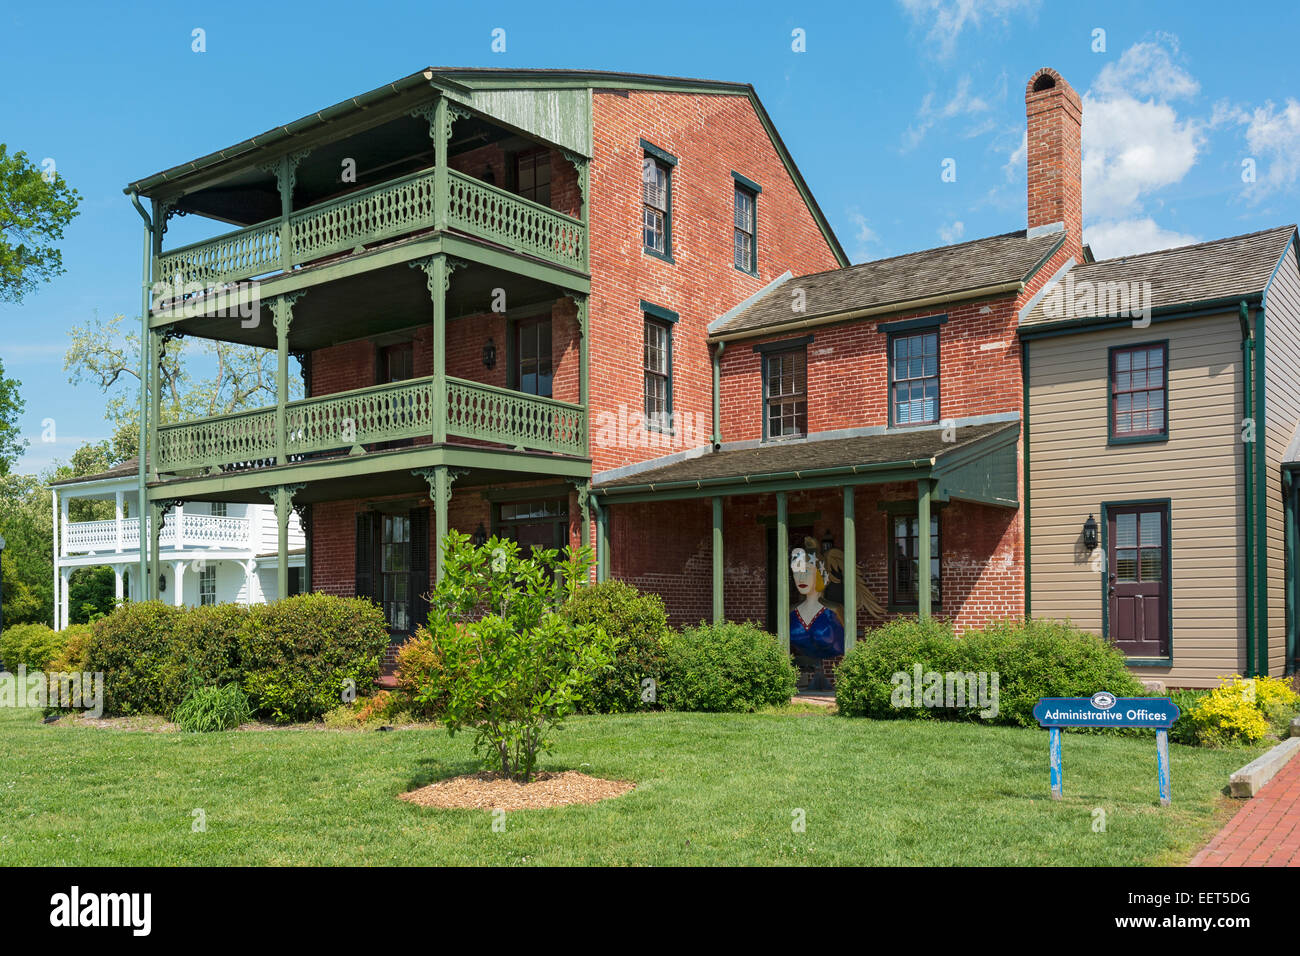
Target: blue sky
1177,96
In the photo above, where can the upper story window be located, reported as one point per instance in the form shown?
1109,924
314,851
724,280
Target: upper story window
785,393
396,363
914,378
533,357
208,585
218,509
533,176
746,224
657,364
657,200
1139,391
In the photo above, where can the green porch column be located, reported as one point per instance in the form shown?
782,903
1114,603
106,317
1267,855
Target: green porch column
282,316
718,577
850,570
782,570
155,511
602,540
441,498
924,487
156,346
440,131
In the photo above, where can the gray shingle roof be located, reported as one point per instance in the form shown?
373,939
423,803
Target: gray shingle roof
121,470
785,457
947,270
1239,265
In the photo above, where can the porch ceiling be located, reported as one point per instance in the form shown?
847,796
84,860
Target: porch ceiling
980,465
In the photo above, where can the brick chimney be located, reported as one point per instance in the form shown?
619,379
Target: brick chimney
1054,114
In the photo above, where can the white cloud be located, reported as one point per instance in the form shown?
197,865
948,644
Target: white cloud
1015,163
1134,141
864,237
961,103
946,19
1126,237
953,232
1272,141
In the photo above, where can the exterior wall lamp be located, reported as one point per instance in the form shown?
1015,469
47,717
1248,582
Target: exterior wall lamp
1090,534
490,354
480,536
828,542
162,582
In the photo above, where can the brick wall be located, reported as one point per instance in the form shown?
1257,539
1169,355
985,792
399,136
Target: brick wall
711,136
1054,122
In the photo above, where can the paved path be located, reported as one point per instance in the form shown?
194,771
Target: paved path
1265,831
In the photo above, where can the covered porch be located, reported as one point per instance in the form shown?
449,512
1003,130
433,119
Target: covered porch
716,533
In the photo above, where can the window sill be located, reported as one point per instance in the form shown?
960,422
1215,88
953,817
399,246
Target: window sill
747,272
1149,661
912,608
665,256
1137,439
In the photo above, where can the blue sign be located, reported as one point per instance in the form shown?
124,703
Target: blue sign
1104,709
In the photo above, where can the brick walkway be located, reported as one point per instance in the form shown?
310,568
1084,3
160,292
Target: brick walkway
1264,832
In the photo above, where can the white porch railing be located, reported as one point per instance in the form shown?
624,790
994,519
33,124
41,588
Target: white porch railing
190,532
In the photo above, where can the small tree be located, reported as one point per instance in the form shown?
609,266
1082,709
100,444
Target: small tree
511,668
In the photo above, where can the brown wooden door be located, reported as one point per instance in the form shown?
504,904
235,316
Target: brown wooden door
1137,579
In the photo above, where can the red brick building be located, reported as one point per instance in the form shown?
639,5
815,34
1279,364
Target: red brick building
567,306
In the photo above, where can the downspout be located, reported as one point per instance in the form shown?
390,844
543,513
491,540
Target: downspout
717,395
142,507
1028,511
1248,410
1261,494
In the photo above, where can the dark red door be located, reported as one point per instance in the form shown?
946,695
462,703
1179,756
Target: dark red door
1138,579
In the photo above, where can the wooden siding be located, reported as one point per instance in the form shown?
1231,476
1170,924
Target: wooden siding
1199,468
1281,416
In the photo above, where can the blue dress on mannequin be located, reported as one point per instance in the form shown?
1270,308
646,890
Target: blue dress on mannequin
823,636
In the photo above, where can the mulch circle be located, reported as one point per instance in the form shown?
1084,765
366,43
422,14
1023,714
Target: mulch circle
494,791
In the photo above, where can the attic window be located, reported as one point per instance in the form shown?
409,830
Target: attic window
1044,82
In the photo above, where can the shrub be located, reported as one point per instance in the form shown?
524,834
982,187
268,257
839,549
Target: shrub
203,651
726,668
206,709
639,624
31,645
420,676
132,647
1277,701
508,667
864,685
1226,716
1032,659
72,659
299,655
1184,729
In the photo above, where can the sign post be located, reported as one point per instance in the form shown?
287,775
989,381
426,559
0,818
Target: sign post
1107,710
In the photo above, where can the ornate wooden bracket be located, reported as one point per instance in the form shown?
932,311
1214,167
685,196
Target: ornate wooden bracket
582,166
451,265
282,311
580,301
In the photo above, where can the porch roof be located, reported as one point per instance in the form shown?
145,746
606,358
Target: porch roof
979,465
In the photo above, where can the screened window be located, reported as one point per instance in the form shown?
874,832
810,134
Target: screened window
746,228
394,570
208,586
396,363
786,384
904,561
218,509
533,176
541,524
914,378
654,199
1138,390
533,357
658,374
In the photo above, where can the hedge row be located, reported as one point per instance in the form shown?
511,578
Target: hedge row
295,659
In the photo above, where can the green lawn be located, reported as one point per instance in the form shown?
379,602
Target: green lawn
711,789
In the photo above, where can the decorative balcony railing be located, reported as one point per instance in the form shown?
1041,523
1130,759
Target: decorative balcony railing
346,421
396,208
190,531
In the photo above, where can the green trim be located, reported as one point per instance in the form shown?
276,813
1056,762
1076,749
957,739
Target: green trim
719,583
1028,509
1261,495
507,495
1289,488
1247,409
906,507
660,154
1111,437
754,189
748,183
1168,505
766,351
802,517
782,568
659,312
905,325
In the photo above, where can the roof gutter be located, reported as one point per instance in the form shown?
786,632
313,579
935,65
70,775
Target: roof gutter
1180,310
701,484
982,292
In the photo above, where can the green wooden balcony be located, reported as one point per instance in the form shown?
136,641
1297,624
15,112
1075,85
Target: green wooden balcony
387,211
347,421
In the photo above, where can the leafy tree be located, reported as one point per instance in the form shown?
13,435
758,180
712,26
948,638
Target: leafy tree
11,406
90,594
199,378
28,563
505,664
34,208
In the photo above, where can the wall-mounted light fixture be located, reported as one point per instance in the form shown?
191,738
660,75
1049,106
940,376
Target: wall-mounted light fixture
162,582
480,536
1090,534
828,542
490,354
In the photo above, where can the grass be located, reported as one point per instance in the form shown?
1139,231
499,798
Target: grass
711,789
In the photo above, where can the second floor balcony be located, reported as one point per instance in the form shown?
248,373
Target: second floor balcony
180,532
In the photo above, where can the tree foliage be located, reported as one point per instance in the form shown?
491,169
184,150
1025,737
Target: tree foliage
12,405
34,209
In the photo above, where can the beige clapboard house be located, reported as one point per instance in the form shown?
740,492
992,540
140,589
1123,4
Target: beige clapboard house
1161,441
